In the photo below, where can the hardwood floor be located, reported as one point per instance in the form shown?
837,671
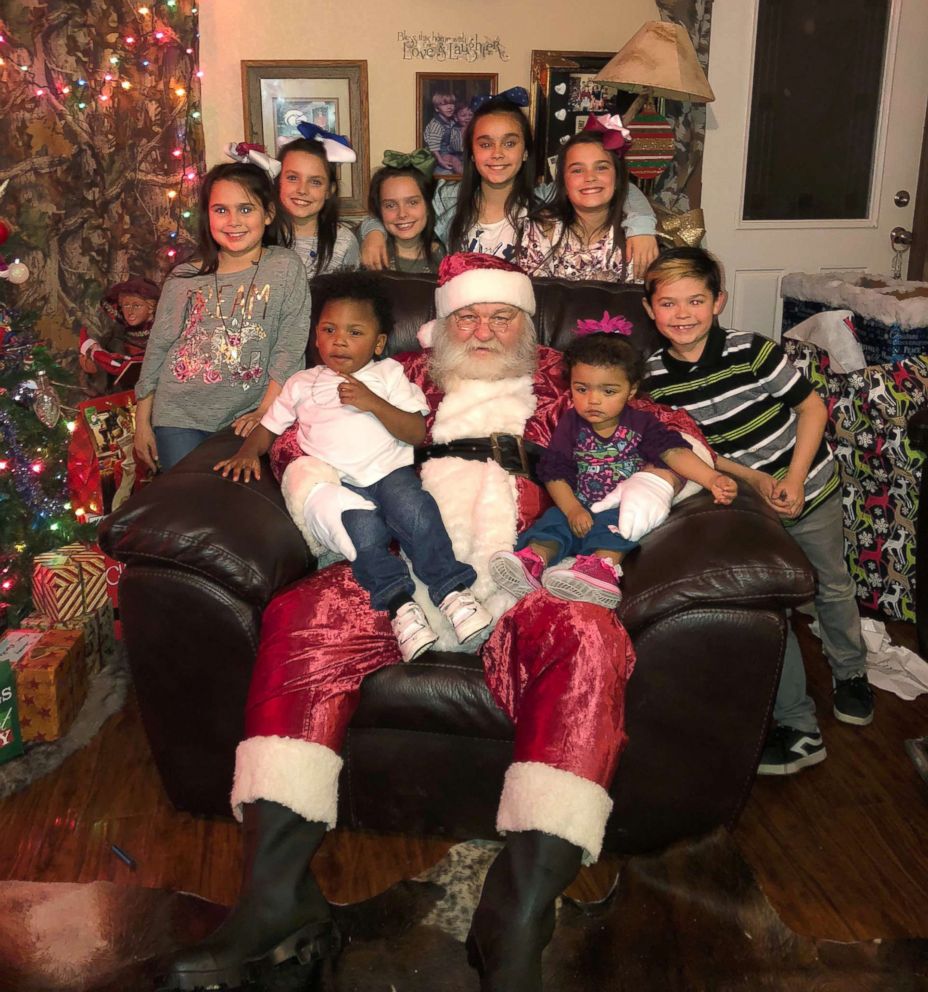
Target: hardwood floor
840,849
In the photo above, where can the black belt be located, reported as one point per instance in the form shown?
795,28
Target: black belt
510,451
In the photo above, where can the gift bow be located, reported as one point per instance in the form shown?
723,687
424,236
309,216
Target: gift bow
247,153
608,325
615,136
515,94
337,146
684,230
422,160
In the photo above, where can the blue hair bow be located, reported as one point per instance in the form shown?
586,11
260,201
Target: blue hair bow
337,146
515,94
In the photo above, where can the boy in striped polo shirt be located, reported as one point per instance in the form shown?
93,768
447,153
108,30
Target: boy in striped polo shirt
767,424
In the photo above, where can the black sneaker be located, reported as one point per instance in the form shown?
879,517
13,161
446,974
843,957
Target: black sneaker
853,700
788,751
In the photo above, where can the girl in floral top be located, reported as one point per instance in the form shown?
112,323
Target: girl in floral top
231,326
578,235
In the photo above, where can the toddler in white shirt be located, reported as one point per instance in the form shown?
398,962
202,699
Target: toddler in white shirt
359,414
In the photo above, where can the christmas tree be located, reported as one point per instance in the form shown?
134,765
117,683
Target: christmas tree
35,512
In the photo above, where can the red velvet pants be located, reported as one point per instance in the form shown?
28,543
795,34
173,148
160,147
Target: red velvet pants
557,669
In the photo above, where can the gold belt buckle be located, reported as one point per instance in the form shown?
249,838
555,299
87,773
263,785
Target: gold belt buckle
497,450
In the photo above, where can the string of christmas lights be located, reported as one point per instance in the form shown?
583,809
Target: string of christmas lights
155,48
36,514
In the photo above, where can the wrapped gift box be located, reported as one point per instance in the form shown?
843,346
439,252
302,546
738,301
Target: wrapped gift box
51,684
69,581
11,742
14,645
99,634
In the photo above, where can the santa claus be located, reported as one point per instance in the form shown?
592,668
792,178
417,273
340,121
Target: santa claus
558,669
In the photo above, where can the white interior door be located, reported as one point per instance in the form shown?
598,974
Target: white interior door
756,254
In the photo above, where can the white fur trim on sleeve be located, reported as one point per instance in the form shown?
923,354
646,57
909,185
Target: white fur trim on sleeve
298,480
540,797
300,775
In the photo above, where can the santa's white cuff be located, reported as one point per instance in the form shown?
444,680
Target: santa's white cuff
300,775
300,477
89,347
539,797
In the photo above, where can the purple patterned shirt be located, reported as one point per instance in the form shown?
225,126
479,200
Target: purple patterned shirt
592,465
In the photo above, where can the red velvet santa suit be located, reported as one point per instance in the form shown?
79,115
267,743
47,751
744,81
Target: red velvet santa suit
558,669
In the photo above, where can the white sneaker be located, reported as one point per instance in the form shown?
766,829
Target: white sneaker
465,614
412,631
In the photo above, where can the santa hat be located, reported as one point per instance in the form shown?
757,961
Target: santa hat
466,278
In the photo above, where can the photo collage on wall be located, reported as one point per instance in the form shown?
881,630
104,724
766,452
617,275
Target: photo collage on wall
564,97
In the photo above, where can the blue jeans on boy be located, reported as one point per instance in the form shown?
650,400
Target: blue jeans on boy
552,527
410,514
821,537
175,443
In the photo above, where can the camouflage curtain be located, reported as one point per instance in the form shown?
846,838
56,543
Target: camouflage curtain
680,186
102,144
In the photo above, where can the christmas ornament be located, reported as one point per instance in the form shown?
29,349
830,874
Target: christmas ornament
24,393
652,144
4,232
14,272
46,405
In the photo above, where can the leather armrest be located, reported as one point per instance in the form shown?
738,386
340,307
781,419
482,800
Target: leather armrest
710,555
237,534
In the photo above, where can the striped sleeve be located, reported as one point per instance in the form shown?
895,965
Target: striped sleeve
776,373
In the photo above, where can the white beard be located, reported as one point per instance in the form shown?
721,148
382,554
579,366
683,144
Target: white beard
477,499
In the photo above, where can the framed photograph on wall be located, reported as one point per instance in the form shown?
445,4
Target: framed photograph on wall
332,94
563,95
443,111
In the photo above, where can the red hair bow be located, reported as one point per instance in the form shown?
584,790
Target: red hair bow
615,136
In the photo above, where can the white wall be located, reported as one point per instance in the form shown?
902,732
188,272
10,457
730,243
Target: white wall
236,30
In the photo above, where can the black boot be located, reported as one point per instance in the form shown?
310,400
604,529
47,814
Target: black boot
514,920
281,912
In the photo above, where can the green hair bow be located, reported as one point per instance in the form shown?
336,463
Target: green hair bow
422,160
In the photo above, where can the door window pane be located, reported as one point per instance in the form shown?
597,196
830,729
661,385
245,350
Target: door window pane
817,71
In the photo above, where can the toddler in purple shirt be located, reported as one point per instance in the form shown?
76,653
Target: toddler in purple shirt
572,551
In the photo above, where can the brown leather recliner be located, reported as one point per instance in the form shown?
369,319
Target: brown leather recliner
705,602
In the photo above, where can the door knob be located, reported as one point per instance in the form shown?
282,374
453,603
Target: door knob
900,238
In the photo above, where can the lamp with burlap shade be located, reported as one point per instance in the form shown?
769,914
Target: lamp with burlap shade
659,61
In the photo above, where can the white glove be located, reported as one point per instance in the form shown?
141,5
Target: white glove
323,511
644,501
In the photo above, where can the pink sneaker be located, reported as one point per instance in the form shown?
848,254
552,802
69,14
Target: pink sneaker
585,579
517,572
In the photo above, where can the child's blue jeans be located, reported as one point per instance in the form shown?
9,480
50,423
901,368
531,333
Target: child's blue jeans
552,527
410,514
174,443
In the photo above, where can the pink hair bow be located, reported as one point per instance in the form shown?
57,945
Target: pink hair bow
615,136
608,325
